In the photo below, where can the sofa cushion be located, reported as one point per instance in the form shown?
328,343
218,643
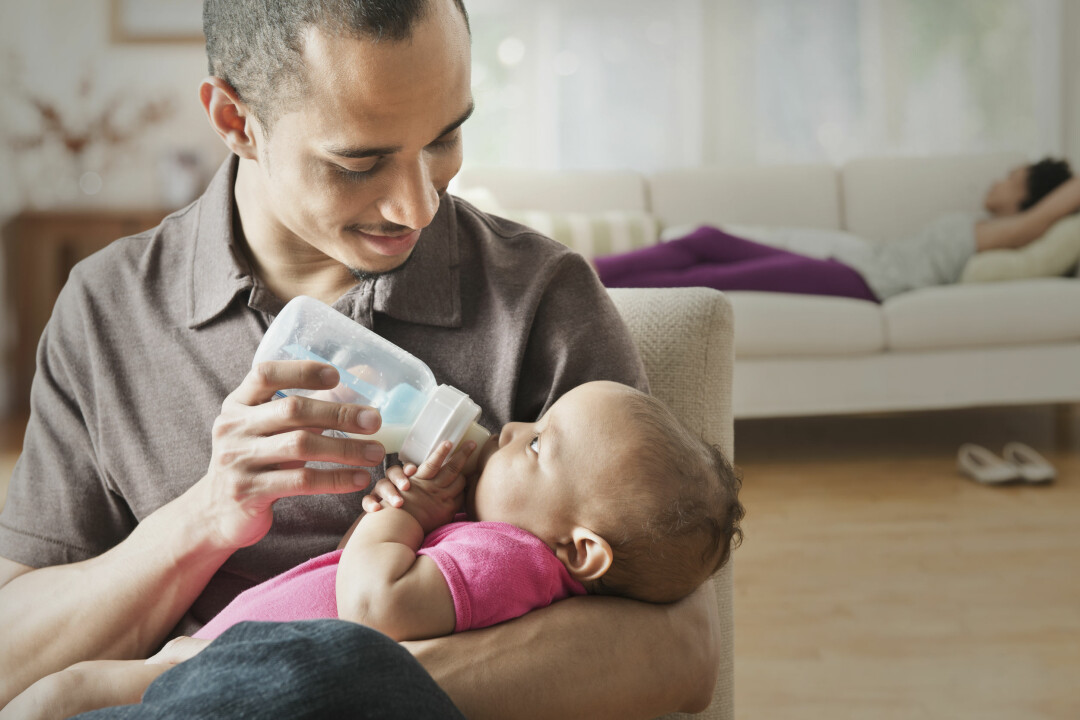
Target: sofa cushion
1023,312
592,234
772,324
795,196
1055,253
580,191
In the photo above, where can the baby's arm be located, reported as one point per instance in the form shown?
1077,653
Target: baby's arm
381,581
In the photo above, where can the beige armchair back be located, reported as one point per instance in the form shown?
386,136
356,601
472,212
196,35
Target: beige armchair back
686,338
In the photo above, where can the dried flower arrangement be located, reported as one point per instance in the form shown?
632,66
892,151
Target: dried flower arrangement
68,143
99,129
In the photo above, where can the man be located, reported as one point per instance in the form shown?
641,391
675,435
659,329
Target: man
344,122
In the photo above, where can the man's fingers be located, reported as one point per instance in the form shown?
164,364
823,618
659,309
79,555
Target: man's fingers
296,412
303,446
178,650
266,378
311,481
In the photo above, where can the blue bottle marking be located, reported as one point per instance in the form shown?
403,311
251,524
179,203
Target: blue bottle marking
399,406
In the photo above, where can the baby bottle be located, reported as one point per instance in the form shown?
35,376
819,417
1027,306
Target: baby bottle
417,413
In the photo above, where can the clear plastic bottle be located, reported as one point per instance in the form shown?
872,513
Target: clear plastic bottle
417,413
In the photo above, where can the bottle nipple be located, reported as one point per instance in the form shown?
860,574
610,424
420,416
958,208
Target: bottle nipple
479,435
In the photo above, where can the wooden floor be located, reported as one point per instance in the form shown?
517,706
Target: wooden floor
875,582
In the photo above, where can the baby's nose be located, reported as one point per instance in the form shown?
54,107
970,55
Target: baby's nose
507,433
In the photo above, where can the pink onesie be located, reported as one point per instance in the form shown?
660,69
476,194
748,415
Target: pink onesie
495,571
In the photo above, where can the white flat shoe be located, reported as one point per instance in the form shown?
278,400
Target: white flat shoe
985,467
1032,466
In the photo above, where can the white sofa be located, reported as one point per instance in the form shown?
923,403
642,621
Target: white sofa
961,345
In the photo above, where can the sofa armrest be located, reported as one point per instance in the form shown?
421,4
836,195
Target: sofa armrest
686,339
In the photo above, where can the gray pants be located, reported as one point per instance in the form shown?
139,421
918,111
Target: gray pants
311,669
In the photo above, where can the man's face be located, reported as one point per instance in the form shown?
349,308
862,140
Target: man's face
561,471
356,169
1006,195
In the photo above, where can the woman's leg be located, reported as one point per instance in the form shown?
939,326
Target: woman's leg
787,273
307,669
704,245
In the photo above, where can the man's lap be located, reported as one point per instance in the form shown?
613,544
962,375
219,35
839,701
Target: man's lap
315,668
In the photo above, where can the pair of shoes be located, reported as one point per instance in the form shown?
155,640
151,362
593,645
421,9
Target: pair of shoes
1020,464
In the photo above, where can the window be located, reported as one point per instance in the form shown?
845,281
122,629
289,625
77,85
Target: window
640,84
571,84
840,78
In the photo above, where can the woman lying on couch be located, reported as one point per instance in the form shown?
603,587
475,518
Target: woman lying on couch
1020,208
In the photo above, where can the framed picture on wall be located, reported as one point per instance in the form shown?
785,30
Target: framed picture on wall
156,21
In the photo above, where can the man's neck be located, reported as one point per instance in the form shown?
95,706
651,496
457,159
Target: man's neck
284,263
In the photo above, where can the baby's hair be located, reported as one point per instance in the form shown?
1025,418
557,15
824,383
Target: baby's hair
678,519
1043,178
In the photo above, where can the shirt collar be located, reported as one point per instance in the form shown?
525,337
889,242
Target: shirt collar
426,290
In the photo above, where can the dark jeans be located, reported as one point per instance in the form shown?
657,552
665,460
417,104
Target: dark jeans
308,669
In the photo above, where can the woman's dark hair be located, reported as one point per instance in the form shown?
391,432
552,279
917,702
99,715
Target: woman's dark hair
1043,178
256,45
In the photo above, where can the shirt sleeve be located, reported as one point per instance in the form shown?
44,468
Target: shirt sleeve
577,336
60,507
496,572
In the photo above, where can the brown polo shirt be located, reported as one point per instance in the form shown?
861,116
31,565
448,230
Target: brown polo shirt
150,335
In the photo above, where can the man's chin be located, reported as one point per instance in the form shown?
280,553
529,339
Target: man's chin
371,273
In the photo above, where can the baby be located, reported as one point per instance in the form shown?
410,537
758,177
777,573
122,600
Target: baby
607,494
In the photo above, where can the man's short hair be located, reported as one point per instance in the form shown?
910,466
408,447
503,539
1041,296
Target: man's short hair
256,45
1043,178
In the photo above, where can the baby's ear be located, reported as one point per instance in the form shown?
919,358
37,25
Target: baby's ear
585,554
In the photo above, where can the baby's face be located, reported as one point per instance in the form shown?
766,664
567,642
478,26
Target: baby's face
549,476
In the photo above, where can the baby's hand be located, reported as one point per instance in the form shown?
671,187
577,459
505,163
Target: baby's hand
434,492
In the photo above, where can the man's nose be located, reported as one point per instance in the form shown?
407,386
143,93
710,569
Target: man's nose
412,200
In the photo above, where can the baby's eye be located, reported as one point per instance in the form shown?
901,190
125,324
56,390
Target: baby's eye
535,444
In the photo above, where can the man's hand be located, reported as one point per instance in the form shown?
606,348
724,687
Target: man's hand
260,449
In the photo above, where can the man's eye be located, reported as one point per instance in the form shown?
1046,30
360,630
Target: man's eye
354,175
535,444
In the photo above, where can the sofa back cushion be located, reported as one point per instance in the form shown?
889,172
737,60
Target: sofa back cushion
804,196
591,234
891,199
564,191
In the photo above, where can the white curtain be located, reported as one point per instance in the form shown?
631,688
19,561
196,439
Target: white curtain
646,85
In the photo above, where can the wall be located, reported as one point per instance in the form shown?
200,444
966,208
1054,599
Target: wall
47,47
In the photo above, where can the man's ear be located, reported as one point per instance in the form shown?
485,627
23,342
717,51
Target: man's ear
585,554
230,118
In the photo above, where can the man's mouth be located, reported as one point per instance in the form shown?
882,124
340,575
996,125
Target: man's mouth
389,245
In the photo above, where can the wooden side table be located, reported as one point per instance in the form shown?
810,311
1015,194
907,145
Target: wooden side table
40,248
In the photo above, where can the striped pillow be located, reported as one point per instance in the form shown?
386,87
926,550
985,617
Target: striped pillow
592,234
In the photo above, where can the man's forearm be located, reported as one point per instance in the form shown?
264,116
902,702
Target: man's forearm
587,657
118,605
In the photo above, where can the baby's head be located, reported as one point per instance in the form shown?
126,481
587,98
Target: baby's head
631,502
